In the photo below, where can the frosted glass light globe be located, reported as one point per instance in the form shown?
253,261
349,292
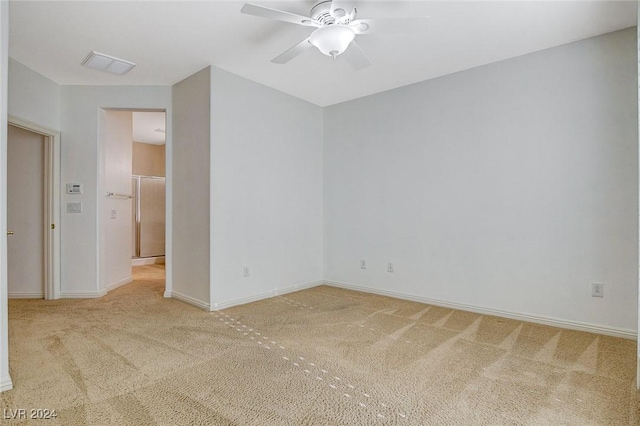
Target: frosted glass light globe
332,40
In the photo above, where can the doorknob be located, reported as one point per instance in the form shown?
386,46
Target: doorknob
10,232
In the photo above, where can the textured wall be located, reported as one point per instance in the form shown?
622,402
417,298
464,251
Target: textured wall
191,195
511,186
266,189
83,242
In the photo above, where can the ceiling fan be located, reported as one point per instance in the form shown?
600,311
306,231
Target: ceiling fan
335,29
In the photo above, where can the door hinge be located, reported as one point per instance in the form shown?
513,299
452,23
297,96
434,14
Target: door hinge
53,226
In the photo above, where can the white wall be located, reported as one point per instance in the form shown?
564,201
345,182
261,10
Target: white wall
5,379
512,186
33,97
266,190
116,129
638,302
81,242
191,166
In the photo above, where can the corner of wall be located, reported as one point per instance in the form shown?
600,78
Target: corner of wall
33,97
5,384
5,378
212,82
638,72
428,180
323,198
190,186
267,176
638,373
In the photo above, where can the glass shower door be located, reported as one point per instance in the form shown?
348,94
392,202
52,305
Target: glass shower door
151,216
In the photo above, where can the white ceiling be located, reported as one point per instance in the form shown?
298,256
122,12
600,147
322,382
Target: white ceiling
149,127
171,40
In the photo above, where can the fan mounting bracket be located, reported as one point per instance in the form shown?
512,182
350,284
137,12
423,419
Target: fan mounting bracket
321,12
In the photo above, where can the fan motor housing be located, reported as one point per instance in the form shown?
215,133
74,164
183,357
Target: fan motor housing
321,12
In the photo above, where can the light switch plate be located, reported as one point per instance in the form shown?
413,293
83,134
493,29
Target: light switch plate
74,207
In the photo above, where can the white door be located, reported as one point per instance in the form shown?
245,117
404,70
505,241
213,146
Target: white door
25,213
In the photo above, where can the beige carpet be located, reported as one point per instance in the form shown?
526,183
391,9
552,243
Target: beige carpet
323,356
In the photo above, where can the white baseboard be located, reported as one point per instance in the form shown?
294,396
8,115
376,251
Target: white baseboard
17,295
117,284
95,295
273,293
148,261
638,373
6,384
554,322
187,299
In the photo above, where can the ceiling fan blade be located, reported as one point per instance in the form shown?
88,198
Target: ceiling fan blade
341,8
356,57
293,52
279,15
410,25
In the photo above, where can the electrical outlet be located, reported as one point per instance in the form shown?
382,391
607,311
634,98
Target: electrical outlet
363,264
245,271
597,290
390,267
113,214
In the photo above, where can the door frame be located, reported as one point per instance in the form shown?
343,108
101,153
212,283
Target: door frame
51,203
101,189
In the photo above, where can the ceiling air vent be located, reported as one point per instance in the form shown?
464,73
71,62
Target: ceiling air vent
102,62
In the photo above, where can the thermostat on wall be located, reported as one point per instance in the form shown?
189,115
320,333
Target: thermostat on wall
74,188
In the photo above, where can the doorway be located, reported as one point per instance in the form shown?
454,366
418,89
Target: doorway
149,188
132,215
32,211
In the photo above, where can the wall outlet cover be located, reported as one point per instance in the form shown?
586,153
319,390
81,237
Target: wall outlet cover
597,290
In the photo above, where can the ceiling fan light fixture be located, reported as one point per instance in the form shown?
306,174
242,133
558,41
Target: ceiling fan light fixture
332,40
